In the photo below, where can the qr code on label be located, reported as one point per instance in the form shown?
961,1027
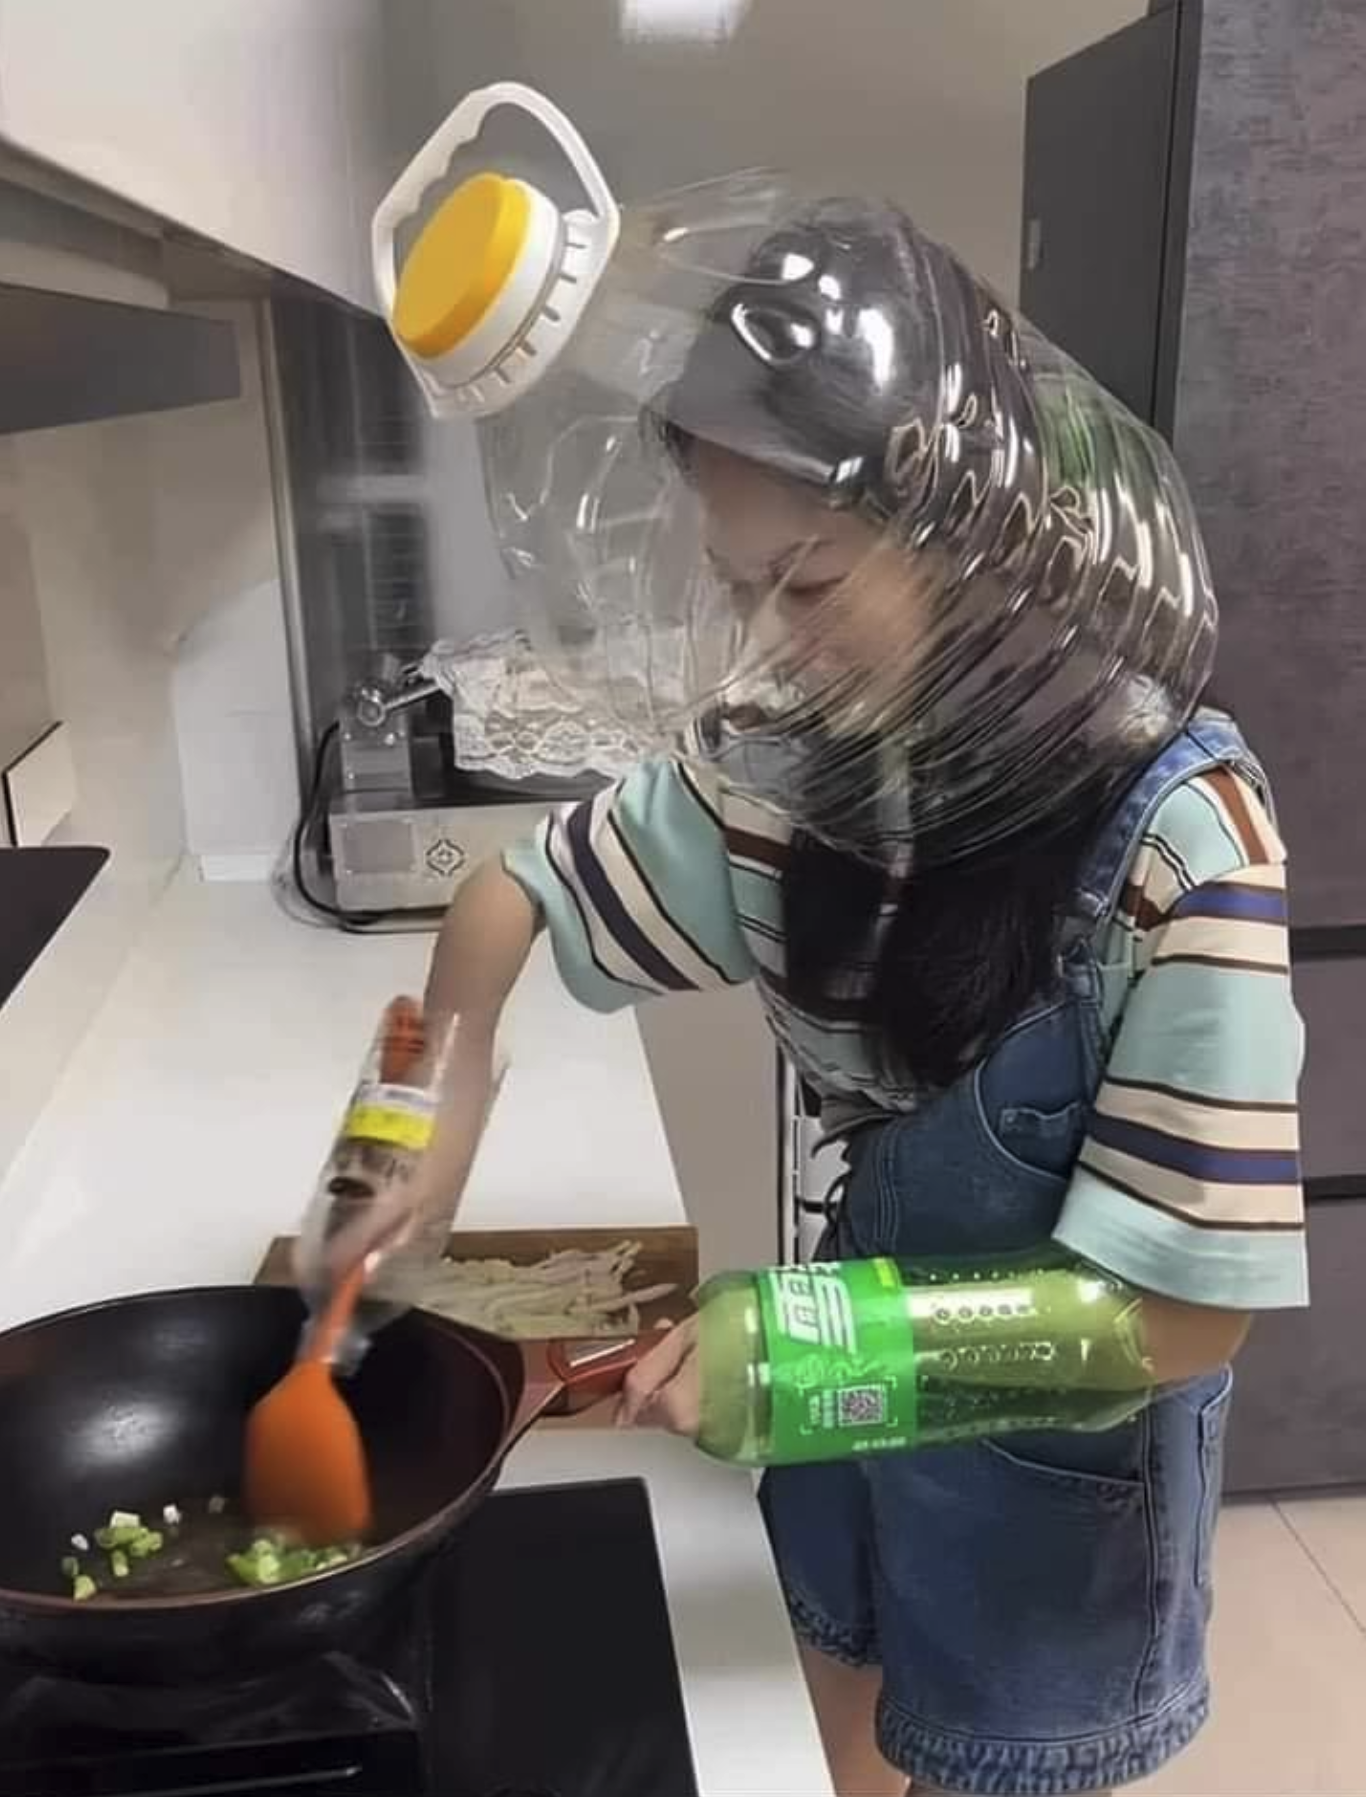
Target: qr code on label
861,1405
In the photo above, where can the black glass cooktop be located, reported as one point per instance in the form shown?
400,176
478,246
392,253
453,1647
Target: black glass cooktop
39,888
535,1659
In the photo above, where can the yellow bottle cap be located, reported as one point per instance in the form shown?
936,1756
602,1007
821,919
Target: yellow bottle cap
461,263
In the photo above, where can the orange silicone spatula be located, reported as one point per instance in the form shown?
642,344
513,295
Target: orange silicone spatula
305,1461
305,1468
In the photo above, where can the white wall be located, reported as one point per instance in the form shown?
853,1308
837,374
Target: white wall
921,100
87,509
151,555
225,626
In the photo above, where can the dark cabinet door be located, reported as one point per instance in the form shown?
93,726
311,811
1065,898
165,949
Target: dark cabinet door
1267,422
1193,234
1098,148
1299,1417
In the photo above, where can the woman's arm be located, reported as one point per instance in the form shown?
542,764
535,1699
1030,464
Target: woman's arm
633,889
1107,1339
481,950
1185,1340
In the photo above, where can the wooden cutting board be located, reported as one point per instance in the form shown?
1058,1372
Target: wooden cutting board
667,1257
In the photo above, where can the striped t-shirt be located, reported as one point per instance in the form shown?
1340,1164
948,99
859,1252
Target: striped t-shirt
1188,1182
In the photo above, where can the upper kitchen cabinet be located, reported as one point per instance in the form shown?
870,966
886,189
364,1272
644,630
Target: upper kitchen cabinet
258,124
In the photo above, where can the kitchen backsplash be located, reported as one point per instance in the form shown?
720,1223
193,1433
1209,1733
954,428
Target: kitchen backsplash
230,681
147,547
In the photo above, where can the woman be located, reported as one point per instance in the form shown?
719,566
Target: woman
1014,903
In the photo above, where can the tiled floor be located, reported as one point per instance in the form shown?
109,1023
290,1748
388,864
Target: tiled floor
1289,1657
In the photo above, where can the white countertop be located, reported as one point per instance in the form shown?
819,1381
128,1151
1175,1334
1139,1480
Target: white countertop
191,1124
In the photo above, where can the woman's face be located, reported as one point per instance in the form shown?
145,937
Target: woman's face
841,599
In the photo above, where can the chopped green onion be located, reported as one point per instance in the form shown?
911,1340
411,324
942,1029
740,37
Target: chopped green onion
259,1565
269,1561
125,1530
124,1539
122,1534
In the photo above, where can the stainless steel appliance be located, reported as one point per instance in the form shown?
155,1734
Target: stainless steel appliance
405,823
385,548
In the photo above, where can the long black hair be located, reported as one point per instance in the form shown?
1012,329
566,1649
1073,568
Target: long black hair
971,937
969,943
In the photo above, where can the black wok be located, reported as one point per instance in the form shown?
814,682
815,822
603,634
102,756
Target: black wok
141,1402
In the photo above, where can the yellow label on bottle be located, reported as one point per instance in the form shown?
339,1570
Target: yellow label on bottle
408,1129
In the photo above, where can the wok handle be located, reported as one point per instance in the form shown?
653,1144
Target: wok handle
581,1373
591,1370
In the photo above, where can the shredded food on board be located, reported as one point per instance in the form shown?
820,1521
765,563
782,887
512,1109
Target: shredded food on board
569,1293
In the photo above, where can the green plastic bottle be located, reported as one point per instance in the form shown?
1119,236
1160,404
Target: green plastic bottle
836,1360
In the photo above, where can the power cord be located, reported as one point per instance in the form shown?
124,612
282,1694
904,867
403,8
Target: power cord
358,921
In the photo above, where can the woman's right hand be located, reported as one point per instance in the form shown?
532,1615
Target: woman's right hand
663,1390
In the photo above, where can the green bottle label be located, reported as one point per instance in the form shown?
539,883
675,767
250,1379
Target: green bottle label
841,1362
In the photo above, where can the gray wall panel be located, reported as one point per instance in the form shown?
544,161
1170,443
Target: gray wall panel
1270,408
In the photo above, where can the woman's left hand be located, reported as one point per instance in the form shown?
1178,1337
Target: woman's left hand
663,1390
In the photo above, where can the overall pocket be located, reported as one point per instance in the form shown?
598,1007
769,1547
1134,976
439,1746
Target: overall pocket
1029,1577
1106,1467
1042,1141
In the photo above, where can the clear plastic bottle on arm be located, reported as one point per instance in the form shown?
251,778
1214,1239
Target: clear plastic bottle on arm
402,1158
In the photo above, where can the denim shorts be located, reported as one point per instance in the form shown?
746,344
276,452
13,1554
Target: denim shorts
1037,1604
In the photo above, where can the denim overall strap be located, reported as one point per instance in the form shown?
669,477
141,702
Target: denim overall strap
1209,741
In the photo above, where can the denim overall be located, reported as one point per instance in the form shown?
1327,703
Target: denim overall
1037,1604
